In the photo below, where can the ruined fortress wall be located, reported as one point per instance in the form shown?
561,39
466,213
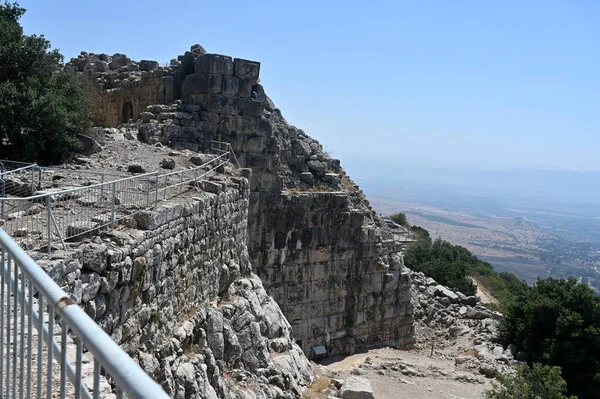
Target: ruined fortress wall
313,239
140,283
175,290
337,282
114,106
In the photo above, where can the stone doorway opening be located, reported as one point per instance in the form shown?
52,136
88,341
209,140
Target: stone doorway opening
127,112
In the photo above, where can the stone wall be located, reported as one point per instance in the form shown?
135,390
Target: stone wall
313,238
337,281
175,290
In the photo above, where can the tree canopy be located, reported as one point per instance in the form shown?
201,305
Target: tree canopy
558,322
400,218
43,108
531,383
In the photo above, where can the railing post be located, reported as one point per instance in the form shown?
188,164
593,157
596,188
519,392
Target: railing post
114,200
40,177
156,191
102,188
147,192
48,221
3,196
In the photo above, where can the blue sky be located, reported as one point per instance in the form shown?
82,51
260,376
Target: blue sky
441,82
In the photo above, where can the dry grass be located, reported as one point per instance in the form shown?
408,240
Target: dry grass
313,391
348,184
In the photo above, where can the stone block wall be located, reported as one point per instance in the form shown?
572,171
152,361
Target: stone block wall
139,283
313,238
177,293
338,283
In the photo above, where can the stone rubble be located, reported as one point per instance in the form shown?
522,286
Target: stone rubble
443,316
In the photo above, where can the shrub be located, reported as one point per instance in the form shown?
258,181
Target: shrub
531,383
400,218
558,322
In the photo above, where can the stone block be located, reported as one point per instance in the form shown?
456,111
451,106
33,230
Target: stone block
245,88
147,65
254,144
230,85
202,83
214,63
247,70
248,106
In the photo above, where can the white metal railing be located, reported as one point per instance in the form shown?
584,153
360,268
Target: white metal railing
29,300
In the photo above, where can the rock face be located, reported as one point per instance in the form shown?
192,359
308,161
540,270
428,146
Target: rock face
315,242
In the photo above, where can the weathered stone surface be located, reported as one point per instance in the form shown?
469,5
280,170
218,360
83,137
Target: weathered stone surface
214,64
356,388
246,70
146,65
445,292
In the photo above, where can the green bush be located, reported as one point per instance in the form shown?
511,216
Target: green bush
537,382
42,108
558,322
452,265
400,218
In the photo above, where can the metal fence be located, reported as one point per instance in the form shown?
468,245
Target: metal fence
37,211
65,354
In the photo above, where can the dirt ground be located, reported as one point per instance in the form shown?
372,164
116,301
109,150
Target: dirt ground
413,374
482,293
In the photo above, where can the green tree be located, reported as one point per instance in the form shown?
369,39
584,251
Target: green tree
558,322
42,107
537,382
400,218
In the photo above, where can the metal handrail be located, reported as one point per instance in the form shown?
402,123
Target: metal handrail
83,188
76,211
128,376
30,166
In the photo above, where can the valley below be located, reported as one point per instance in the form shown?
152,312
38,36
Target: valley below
510,244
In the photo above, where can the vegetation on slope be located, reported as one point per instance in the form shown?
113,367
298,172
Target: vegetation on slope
43,108
558,322
452,265
531,383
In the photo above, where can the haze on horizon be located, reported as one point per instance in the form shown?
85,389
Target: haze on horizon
512,83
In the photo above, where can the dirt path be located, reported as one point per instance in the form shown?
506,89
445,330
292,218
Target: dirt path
412,374
482,293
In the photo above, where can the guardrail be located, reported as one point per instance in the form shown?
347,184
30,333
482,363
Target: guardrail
30,299
50,215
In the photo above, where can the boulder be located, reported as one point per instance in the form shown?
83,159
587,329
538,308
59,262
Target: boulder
136,168
356,388
168,163
488,370
445,292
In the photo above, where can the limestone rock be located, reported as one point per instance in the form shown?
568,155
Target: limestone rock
356,388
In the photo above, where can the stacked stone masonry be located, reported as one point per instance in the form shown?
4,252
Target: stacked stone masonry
175,290
313,239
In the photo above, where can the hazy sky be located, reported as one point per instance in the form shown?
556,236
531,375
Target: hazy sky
509,82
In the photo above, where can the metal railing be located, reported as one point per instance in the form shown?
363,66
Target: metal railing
44,214
30,299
